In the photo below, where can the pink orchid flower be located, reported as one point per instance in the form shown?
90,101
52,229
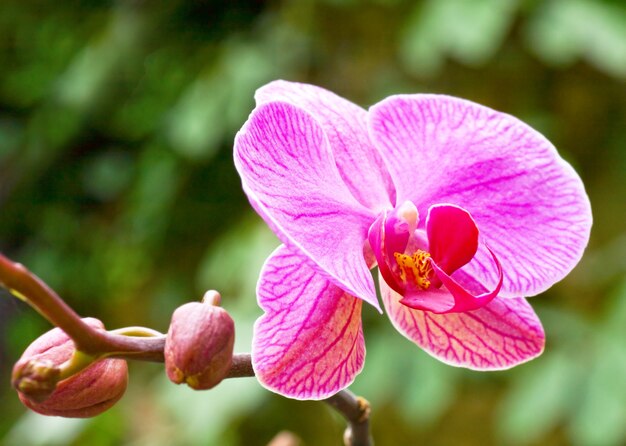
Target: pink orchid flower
346,189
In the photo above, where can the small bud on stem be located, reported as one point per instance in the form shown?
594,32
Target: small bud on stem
52,378
199,343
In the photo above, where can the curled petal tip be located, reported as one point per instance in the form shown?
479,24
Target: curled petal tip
465,300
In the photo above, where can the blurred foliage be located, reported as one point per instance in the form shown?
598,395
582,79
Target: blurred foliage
117,187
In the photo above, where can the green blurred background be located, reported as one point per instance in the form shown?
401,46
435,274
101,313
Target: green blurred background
117,187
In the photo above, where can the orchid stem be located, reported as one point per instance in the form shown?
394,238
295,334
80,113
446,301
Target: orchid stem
142,344
145,344
29,288
356,410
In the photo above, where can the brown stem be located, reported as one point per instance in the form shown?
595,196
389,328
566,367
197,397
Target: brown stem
134,347
151,349
356,410
241,366
28,287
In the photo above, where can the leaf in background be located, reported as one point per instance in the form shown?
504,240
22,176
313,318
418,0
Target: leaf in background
232,265
37,430
107,174
217,102
199,417
44,48
195,127
541,397
430,389
562,31
470,32
615,318
84,81
600,419
247,66
11,134
397,372
383,377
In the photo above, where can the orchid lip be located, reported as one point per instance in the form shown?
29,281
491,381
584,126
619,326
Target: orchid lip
463,300
416,268
418,263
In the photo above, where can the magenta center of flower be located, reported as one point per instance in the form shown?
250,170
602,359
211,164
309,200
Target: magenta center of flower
417,261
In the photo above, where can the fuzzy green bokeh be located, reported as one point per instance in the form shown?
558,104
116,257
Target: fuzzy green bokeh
117,187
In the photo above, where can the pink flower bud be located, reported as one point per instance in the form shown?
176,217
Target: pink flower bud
85,394
199,344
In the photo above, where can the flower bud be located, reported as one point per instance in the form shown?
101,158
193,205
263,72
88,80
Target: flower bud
199,344
85,394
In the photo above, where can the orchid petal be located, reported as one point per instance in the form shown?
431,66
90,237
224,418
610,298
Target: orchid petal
452,236
500,335
290,177
309,343
345,125
530,205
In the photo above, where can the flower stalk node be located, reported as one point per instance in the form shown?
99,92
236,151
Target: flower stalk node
365,408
